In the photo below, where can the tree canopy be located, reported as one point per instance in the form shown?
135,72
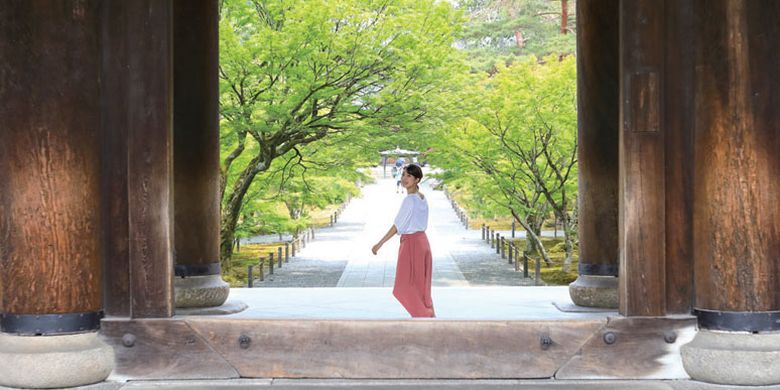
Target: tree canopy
515,149
311,90
301,77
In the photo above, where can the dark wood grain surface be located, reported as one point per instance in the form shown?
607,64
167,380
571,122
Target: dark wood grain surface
737,191
49,157
678,127
598,96
196,131
642,158
138,60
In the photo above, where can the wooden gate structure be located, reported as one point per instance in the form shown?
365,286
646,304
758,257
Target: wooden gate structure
109,166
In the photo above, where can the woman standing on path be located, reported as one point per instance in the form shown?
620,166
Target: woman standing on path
413,272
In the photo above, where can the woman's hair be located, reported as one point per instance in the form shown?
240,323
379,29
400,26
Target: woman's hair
414,170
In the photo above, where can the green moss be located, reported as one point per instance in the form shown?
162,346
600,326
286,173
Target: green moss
558,248
553,274
250,254
494,223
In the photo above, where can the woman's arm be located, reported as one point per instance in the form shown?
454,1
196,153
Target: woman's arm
384,239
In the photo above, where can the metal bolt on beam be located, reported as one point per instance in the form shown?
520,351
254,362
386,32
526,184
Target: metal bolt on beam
545,342
244,341
128,340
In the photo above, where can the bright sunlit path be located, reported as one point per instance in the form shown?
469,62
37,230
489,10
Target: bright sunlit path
337,276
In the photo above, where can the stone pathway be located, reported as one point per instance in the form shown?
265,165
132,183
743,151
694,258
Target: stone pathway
470,258
320,264
340,256
305,273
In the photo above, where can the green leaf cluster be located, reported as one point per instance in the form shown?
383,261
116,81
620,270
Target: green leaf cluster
513,150
310,90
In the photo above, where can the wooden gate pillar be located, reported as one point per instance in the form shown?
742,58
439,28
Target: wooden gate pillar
655,185
137,120
50,292
737,194
641,154
597,102
196,155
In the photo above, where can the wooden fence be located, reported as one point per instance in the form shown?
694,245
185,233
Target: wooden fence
283,253
509,250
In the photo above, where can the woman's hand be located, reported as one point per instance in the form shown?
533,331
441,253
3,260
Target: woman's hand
384,239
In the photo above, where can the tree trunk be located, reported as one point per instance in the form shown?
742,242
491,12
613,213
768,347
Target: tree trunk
519,40
530,244
564,16
233,208
534,237
568,242
536,226
225,168
562,214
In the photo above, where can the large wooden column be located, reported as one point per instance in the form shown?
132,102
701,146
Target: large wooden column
737,193
642,153
137,99
656,176
50,269
597,124
196,154
678,134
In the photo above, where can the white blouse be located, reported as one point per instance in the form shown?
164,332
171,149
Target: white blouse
413,215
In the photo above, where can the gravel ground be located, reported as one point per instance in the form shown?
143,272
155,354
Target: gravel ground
481,266
305,273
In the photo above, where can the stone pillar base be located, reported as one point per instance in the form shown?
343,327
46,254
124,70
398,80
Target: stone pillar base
54,361
201,291
733,358
595,291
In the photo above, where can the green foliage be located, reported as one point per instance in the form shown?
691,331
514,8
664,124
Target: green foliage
311,89
515,148
281,199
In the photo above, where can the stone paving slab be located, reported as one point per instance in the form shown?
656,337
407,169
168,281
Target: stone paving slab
319,384
378,303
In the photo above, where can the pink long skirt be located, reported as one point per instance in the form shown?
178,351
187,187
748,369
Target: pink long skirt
413,275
